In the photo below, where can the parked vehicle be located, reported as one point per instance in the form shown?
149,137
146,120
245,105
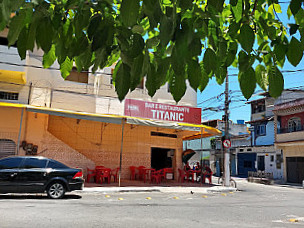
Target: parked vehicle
33,174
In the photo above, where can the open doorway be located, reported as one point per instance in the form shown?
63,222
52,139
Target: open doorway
161,158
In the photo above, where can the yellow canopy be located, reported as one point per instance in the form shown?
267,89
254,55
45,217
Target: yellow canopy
16,77
206,131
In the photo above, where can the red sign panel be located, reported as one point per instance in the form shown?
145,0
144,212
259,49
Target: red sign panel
159,111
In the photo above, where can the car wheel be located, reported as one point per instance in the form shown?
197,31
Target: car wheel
56,190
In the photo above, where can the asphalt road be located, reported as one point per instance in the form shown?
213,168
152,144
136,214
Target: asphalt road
254,206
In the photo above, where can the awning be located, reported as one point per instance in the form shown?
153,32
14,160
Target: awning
76,115
16,77
206,132
117,119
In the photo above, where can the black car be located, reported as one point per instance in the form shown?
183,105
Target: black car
38,175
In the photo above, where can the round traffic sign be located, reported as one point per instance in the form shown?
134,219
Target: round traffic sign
227,143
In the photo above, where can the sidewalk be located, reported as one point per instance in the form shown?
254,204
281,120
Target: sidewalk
167,187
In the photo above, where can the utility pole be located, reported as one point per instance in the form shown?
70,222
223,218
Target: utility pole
227,150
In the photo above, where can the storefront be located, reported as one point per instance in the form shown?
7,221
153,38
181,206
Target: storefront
87,140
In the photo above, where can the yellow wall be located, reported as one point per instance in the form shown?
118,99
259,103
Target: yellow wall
10,123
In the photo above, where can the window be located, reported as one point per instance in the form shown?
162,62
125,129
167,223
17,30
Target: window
34,163
56,165
10,163
259,107
8,96
76,76
272,158
294,124
279,161
241,150
261,129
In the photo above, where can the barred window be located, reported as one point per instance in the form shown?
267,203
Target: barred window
8,96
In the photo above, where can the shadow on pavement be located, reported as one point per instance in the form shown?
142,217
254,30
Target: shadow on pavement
36,196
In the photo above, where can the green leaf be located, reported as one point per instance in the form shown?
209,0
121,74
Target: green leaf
220,74
137,46
138,29
15,27
295,52
195,47
122,81
194,74
276,81
232,50
137,71
177,86
261,77
246,38
49,58
247,82
66,67
216,4
280,52
210,61
44,34
32,35
295,5
166,30
21,43
233,2
293,28
129,11
151,80
205,78
244,61
185,4
238,10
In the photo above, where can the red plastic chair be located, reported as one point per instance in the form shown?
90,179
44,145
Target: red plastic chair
181,176
91,173
190,175
114,174
141,173
155,177
133,172
207,175
105,174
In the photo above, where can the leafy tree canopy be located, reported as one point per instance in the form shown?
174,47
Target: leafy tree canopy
161,40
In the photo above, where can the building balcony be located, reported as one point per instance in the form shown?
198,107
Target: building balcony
288,135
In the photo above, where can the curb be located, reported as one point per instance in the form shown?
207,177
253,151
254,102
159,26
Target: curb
214,189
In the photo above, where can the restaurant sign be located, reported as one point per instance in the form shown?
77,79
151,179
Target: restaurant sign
159,111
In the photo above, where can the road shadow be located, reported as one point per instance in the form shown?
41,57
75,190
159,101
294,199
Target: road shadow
36,196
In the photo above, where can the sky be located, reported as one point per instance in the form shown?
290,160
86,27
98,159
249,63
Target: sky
213,97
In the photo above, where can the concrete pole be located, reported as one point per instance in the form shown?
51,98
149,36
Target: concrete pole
227,152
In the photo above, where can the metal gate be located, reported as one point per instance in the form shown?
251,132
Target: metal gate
246,163
295,169
7,148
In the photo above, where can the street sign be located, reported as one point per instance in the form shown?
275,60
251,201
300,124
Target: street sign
227,143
